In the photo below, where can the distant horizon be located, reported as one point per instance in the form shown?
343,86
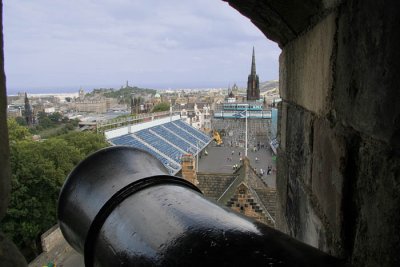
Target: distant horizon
88,88
153,44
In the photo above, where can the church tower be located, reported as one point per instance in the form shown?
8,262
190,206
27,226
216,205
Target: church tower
253,84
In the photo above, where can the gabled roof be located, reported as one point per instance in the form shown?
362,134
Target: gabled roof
258,200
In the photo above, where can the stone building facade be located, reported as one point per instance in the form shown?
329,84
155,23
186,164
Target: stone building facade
243,191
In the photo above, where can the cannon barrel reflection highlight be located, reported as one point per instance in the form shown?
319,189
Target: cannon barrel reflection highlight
119,207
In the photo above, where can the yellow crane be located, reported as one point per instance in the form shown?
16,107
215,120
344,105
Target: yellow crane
217,138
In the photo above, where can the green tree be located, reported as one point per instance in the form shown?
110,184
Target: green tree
35,186
45,122
38,172
21,121
86,142
17,132
55,117
161,107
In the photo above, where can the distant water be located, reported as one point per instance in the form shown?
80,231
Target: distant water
43,90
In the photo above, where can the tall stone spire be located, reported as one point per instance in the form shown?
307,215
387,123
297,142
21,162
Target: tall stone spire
253,64
253,84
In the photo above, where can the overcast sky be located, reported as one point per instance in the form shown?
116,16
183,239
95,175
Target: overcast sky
152,43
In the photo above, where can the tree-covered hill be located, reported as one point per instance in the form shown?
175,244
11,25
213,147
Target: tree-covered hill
123,95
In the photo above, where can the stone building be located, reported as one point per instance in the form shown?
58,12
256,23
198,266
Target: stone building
197,115
243,191
96,106
253,82
92,104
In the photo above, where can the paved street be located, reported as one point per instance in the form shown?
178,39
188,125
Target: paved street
74,259
217,161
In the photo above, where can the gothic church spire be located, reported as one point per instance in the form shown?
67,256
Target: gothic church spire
253,64
253,84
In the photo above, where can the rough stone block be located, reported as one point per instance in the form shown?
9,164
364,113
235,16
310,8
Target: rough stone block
281,189
366,94
299,134
313,231
306,67
329,153
294,162
377,198
282,121
52,238
309,228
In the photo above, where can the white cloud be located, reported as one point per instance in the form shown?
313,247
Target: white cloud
75,42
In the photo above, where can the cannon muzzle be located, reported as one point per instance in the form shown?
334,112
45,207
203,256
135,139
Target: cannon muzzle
119,207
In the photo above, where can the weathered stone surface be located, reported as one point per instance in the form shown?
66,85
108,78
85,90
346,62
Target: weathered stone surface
309,228
281,186
313,231
309,180
377,198
294,166
327,4
265,18
329,153
9,254
283,21
51,238
282,167
282,122
366,94
5,184
308,67
299,142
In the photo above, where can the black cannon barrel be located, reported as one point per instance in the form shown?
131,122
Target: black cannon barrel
120,208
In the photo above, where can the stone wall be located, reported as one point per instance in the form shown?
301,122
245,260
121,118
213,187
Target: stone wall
52,238
5,184
9,254
338,176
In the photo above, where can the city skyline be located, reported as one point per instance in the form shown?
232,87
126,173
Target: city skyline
53,45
